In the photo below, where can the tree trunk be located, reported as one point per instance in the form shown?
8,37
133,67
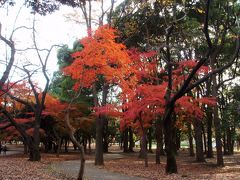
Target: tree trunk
217,125
58,146
131,141
209,134
105,135
190,139
204,140
178,139
89,144
229,141
158,139
150,140
125,140
100,127
34,151
198,140
25,148
99,142
66,144
209,118
71,132
225,149
143,151
171,166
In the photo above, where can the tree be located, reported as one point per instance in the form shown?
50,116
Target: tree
101,58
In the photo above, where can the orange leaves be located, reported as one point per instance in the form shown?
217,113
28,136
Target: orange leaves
54,107
101,55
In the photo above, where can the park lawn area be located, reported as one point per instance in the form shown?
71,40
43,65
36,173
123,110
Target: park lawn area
188,168
17,167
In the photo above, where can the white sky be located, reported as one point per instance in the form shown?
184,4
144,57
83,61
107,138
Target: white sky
51,29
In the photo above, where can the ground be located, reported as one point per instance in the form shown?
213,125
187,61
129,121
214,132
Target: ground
117,166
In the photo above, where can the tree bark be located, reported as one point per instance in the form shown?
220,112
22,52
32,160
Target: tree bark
150,140
99,142
71,132
198,140
204,140
209,134
217,124
190,140
125,140
131,140
171,166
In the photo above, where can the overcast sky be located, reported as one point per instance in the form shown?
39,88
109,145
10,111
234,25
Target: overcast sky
51,29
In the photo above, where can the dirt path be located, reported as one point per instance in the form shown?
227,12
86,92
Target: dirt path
71,168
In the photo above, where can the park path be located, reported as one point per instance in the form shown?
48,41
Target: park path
71,168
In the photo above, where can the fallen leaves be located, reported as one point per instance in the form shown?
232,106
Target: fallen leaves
188,169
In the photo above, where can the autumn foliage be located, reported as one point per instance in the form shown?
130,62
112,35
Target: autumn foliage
101,56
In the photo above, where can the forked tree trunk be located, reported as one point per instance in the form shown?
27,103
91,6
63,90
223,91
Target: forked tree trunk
71,132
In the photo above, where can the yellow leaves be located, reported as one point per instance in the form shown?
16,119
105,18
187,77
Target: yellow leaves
200,11
131,27
166,2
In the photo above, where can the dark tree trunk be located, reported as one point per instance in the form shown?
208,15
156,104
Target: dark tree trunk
225,149
158,140
216,119
66,144
131,140
99,142
100,127
209,134
229,141
150,140
218,136
209,115
143,151
125,140
198,140
89,145
178,139
25,148
34,151
105,136
58,146
171,166
190,140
